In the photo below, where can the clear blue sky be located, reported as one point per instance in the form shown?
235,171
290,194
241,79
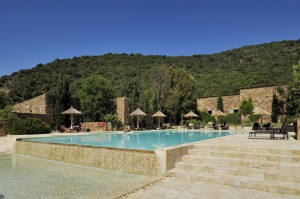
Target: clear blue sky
39,31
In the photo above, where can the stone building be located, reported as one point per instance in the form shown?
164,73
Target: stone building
261,98
43,107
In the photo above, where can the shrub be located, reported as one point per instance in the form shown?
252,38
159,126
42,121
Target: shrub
205,117
17,126
114,120
234,118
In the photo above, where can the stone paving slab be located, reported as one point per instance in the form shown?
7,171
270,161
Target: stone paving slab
172,188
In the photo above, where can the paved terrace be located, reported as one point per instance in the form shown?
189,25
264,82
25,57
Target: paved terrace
200,174
178,187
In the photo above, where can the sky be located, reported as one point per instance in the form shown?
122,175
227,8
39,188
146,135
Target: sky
40,31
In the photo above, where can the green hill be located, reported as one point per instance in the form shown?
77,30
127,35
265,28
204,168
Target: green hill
224,72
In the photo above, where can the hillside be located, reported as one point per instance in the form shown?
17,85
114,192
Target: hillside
224,72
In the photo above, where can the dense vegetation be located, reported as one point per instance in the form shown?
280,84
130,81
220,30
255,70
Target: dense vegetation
170,84
18,126
224,72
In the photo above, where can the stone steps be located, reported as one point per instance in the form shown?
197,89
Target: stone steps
248,149
276,186
242,163
266,173
266,168
292,156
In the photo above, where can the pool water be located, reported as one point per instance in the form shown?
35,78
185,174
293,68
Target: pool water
146,140
27,177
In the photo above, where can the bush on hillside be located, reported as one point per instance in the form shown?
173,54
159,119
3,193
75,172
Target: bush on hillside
17,126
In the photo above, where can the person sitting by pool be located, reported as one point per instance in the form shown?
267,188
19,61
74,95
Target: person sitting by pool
126,128
77,126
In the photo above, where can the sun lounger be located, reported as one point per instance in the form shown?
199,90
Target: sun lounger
225,126
272,132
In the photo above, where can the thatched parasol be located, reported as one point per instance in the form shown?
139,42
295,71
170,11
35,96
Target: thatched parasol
191,114
71,111
138,113
158,114
218,113
260,112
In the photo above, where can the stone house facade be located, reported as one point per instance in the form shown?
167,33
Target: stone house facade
261,98
43,107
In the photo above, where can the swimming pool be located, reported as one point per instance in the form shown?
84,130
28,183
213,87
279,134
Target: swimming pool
146,140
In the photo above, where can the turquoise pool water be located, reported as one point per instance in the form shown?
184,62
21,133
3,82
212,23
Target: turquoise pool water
146,140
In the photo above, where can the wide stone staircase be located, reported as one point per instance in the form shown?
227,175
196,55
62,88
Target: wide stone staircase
265,167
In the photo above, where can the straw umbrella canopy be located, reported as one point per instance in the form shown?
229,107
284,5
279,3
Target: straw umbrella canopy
261,112
190,115
138,113
218,113
71,111
158,114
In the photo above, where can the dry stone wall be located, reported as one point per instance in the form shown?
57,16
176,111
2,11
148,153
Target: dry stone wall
261,98
42,107
35,105
123,109
230,103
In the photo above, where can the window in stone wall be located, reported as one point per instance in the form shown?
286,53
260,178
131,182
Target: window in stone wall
209,112
236,110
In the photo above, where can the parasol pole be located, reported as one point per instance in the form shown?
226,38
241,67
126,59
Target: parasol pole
71,121
158,122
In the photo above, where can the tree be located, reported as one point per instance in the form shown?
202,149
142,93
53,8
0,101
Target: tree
160,83
246,107
275,108
181,97
293,100
220,103
62,99
96,97
4,100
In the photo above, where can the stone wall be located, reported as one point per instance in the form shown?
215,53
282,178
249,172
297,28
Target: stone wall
42,107
123,109
230,103
97,126
133,161
35,105
261,98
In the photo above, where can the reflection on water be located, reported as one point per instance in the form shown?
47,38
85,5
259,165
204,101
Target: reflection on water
147,140
26,177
